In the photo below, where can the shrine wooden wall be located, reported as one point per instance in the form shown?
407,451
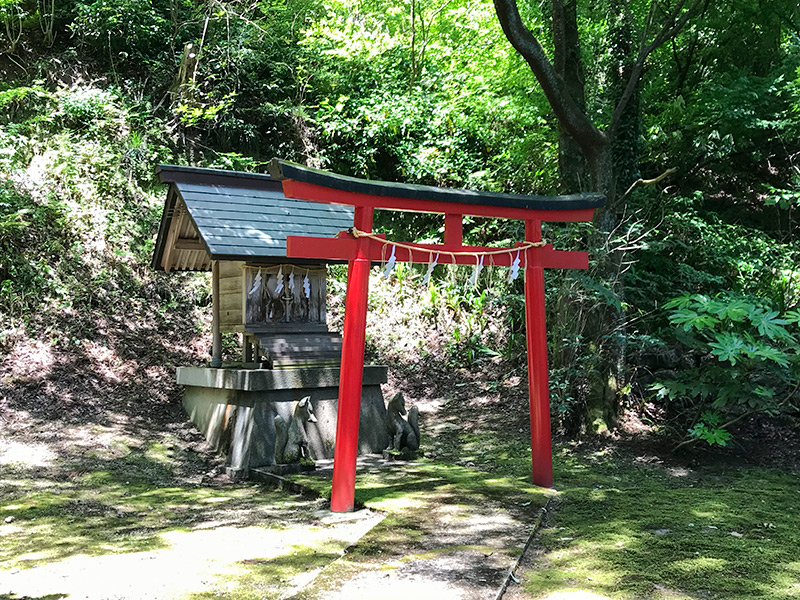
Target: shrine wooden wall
231,295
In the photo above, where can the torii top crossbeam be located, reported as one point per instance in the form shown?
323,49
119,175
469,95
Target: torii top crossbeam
361,248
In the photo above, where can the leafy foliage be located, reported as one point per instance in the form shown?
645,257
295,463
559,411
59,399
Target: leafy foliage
747,360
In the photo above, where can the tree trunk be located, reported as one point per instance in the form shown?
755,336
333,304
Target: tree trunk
613,170
572,170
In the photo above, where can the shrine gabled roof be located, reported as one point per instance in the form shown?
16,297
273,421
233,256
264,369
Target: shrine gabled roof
212,214
423,194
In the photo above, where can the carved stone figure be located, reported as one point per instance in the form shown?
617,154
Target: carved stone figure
290,438
404,431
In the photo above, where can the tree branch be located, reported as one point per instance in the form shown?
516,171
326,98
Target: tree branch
590,139
640,182
694,440
669,30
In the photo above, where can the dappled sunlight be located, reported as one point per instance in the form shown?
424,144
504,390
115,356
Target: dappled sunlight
28,454
28,361
576,595
700,564
205,559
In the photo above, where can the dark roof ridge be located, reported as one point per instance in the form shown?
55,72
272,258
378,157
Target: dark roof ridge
222,177
280,169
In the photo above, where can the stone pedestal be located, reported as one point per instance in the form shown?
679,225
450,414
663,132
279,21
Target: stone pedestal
236,409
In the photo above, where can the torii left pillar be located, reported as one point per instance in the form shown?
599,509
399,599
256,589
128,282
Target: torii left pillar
352,369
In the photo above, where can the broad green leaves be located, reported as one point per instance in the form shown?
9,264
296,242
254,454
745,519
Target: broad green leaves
748,360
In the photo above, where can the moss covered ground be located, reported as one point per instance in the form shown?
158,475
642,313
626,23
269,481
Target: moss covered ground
627,529
451,530
149,520
633,525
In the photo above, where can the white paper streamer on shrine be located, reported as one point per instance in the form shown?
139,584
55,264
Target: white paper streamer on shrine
256,284
307,286
474,279
431,267
390,264
514,270
279,285
291,281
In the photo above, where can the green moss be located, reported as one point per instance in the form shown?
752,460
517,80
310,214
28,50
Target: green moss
724,534
424,482
123,506
265,579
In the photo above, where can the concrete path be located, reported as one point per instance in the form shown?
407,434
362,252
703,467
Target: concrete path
450,533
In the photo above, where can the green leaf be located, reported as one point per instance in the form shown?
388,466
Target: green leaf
773,354
728,346
769,325
692,320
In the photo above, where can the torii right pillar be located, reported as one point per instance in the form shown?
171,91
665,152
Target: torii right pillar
536,338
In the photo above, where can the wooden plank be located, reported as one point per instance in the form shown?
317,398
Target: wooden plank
229,285
277,328
172,235
274,346
318,193
345,248
418,197
189,244
306,364
230,268
203,176
232,318
231,302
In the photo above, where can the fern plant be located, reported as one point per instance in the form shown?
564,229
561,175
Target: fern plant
746,361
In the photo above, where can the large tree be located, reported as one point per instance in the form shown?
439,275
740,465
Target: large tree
607,151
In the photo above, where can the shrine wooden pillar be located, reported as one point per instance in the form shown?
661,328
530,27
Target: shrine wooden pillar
216,332
352,369
536,337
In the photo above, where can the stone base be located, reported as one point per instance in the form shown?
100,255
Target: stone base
405,454
236,409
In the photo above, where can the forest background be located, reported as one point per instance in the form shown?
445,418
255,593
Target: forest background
688,317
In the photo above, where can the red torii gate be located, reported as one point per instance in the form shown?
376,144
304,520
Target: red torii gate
361,250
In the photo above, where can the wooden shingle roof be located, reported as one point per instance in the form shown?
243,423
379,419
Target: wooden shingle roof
212,214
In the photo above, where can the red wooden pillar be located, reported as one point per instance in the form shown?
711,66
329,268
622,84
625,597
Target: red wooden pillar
538,385
352,371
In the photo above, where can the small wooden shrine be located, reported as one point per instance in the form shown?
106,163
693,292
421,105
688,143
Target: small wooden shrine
235,225
244,226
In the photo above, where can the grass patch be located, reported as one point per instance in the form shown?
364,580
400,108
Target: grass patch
414,486
632,532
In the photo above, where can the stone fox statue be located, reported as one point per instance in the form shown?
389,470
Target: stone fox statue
404,432
290,438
